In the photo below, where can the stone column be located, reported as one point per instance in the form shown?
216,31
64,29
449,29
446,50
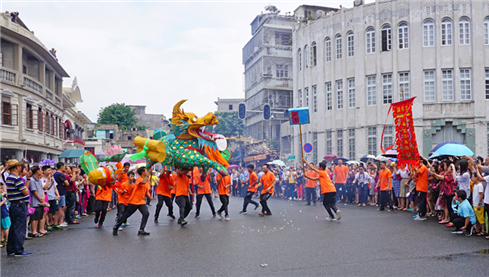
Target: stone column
19,155
43,156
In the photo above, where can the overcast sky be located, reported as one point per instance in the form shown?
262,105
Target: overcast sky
151,53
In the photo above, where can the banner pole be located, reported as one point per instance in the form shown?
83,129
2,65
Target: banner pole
302,149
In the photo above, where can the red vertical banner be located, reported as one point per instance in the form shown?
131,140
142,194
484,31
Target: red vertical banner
407,147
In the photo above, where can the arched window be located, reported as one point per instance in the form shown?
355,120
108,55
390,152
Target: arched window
299,59
486,31
339,45
428,33
403,31
386,38
351,43
370,40
327,49
464,30
313,54
306,56
446,31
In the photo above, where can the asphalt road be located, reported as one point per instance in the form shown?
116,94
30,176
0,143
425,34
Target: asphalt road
295,241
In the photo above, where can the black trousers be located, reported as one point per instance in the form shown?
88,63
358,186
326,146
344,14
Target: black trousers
248,200
235,187
311,195
385,199
168,202
131,209
421,200
263,201
101,210
329,203
91,205
340,190
70,198
121,209
225,202
459,221
16,235
184,205
209,201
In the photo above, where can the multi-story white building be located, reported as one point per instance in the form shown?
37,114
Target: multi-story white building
38,119
350,65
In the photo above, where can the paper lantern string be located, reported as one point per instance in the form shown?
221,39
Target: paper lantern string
142,154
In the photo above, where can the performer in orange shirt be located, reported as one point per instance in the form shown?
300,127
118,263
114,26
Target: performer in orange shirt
385,184
253,181
182,191
121,179
102,201
137,201
311,186
204,189
328,190
268,182
165,187
223,184
125,190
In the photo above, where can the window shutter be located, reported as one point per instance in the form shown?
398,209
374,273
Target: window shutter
15,114
34,120
384,40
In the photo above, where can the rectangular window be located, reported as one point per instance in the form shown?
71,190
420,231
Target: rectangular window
61,129
404,86
6,110
447,84
29,117
351,144
339,54
299,93
314,98
40,121
372,141
306,57
327,50
329,97
313,54
465,84
386,39
306,94
48,123
487,83
370,41
339,143
446,32
371,91
428,33
339,94
315,147
387,88
486,31
403,36
429,86
351,93
282,71
351,44
329,142
464,29
299,58
388,136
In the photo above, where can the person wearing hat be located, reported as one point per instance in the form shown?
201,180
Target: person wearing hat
18,196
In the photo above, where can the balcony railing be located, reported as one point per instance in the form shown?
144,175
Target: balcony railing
7,76
75,139
49,95
58,102
32,85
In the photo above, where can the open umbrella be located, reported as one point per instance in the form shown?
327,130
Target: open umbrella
278,162
340,158
442,144
381,158
330,157
367,158
72,153
390,153
233,166
452,150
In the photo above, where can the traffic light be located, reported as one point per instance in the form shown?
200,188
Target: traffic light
242,110
267,112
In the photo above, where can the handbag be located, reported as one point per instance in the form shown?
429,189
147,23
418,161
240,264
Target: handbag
30,210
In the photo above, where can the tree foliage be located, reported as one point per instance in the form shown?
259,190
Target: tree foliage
229,124
119,114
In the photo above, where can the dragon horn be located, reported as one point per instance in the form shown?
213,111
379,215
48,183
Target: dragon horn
176,108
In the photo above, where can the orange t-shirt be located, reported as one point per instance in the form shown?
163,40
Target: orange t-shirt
341,173
267,181
384,176
164,185
422,183
182,185
207,186
104,194
311,183
174,182
196,175
325,182
139,191
124,199
252,179
226,180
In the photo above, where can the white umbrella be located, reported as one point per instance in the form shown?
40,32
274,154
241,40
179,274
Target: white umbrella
381,158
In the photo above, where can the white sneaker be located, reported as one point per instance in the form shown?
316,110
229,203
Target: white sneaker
338,215
120,228
330,219
64,224
227,218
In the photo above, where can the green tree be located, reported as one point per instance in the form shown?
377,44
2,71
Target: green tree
229,124
119,114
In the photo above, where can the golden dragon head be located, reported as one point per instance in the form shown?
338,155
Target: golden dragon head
187,125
